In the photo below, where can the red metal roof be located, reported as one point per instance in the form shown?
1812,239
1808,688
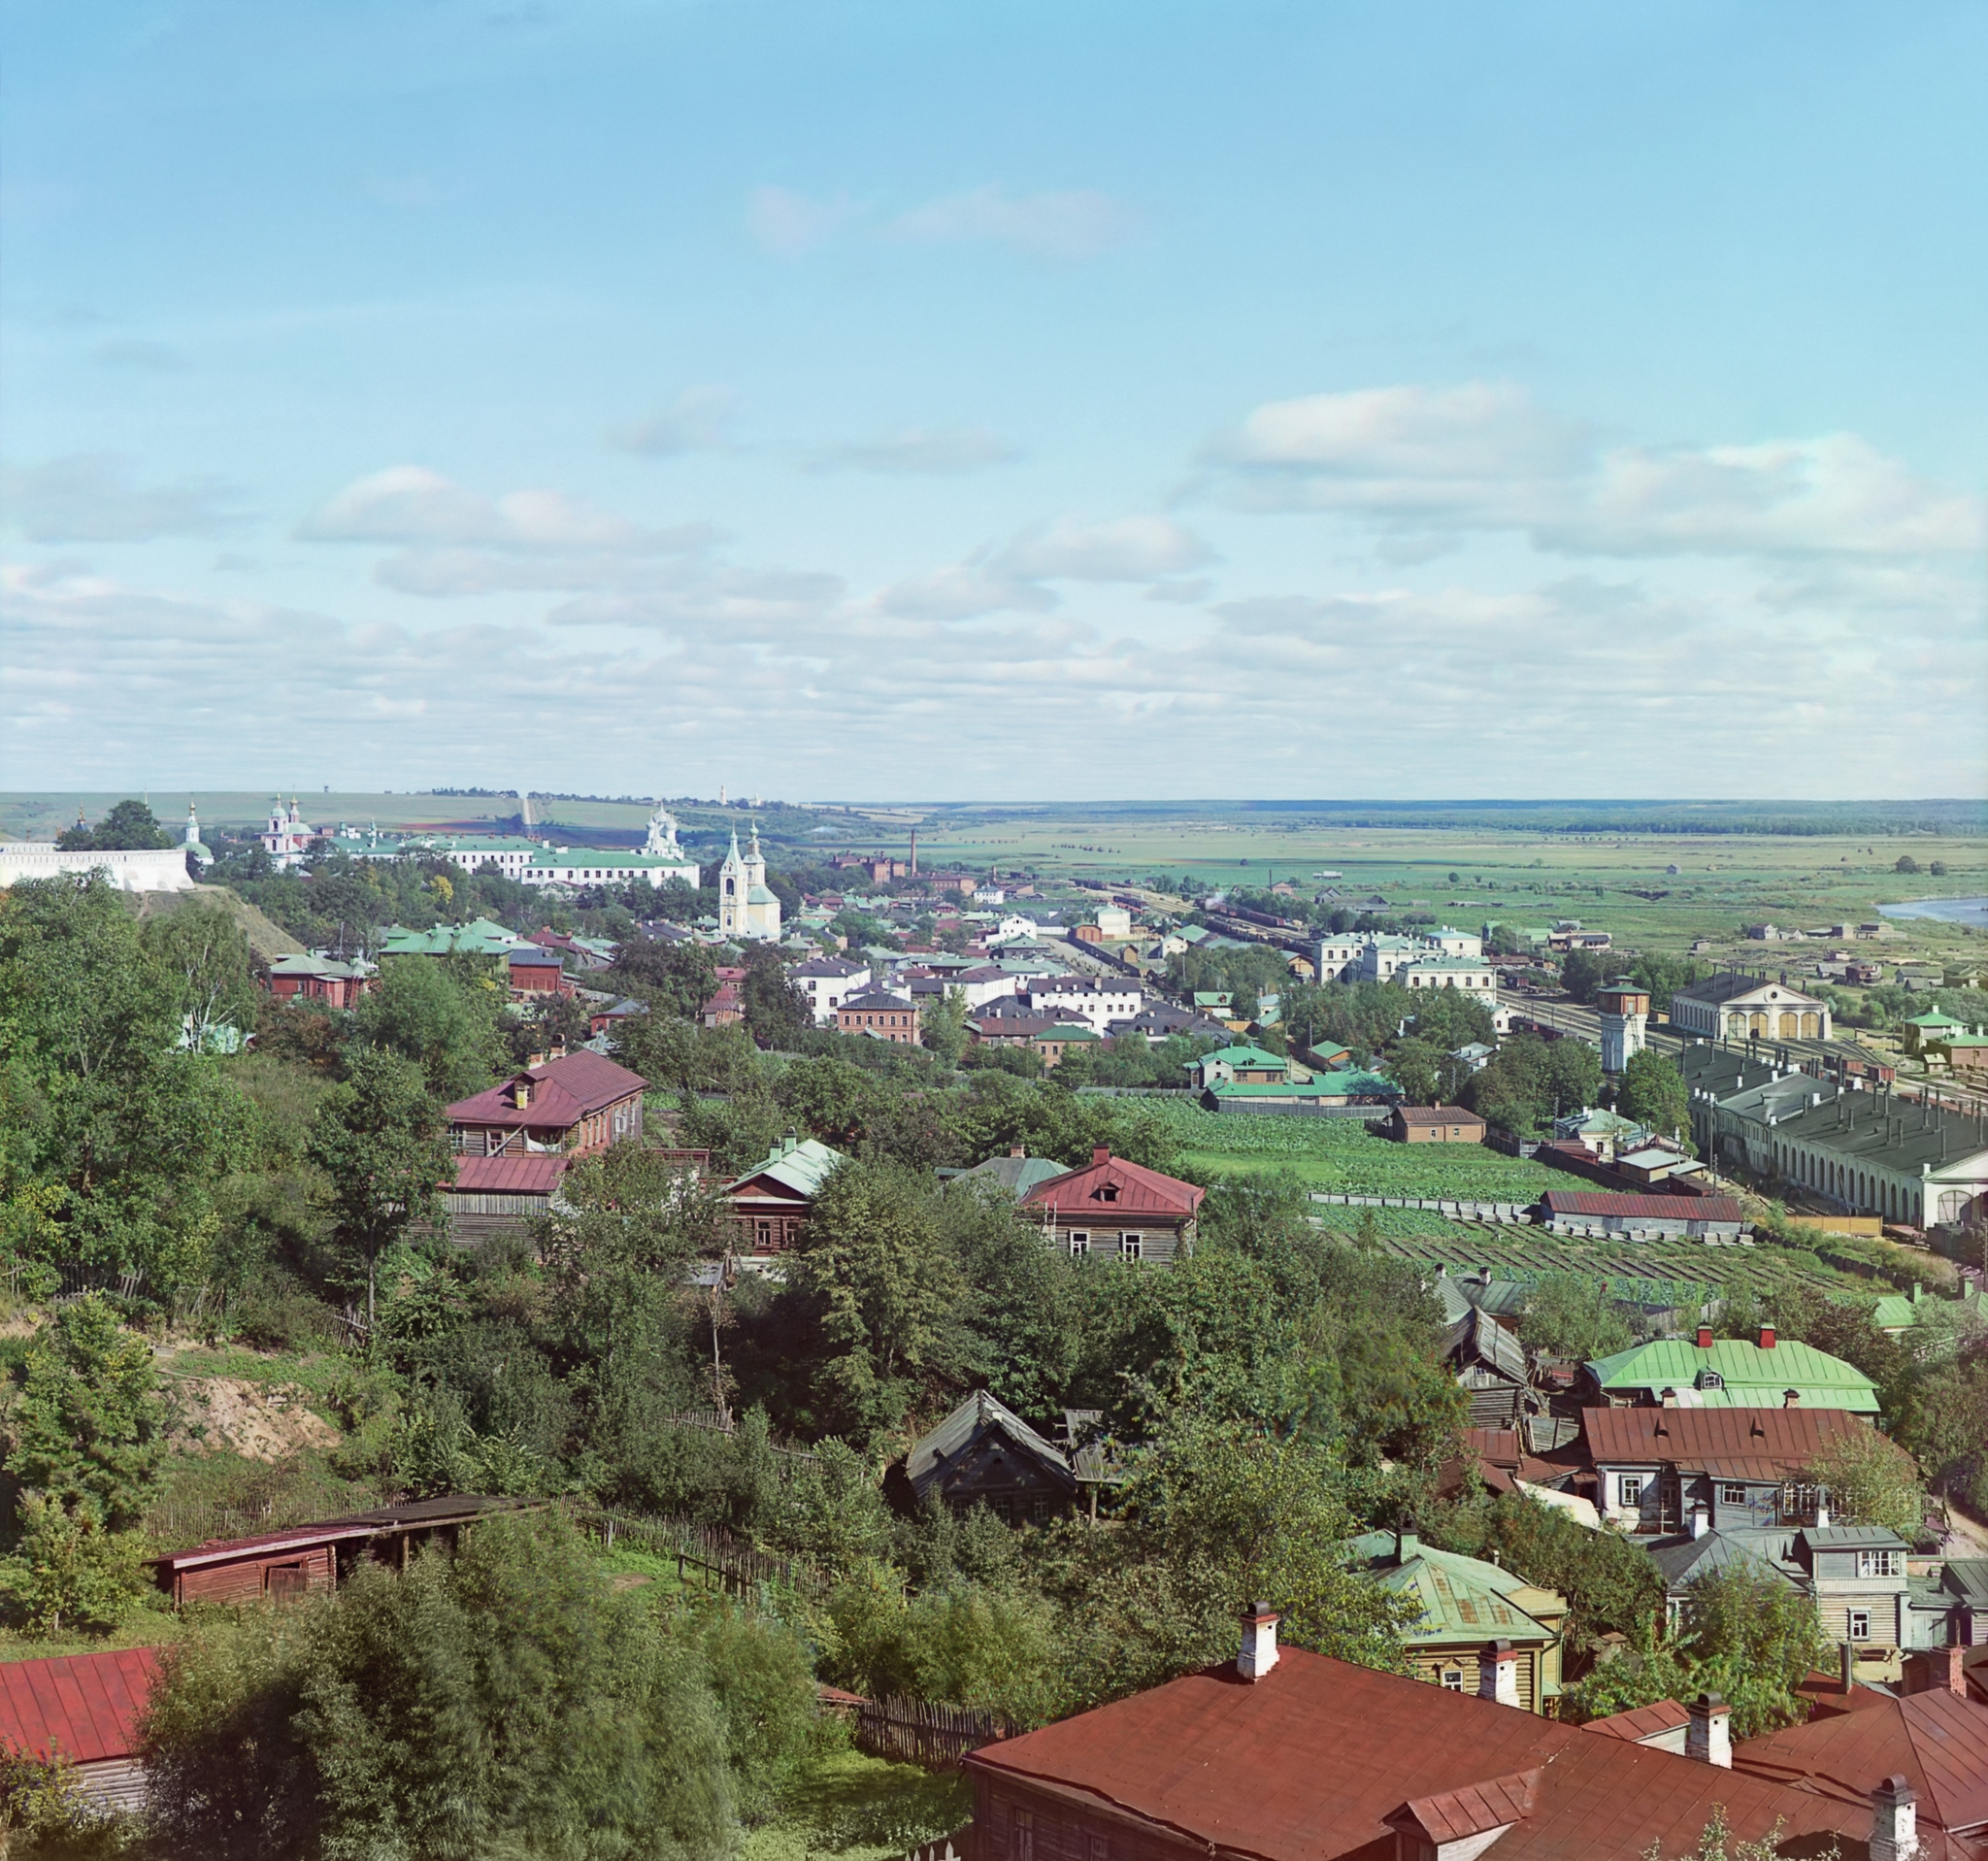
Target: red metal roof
509,1174
1436,1114
1767,1441
1641,1721
563,1092
1938,1741
85,1705
1313,1760
1080,1192
1455,1816
1600,1203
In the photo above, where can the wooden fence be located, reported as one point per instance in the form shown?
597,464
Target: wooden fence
721,1559
957,1847
922,1732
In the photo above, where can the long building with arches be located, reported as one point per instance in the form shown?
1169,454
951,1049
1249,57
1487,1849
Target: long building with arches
1868,1153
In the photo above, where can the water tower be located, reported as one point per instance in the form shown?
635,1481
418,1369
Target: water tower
1625,1012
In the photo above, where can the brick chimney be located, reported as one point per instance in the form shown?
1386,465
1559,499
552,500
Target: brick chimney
1895,1821
1704,1337
1017,1149
1259,1643
1709,1738
1102,1155
1791,1399
1498,1672
1936,1670
1766,1336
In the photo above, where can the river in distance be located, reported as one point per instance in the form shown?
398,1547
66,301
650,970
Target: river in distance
1949,911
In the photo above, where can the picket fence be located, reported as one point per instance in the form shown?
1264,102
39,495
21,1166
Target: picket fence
924,1732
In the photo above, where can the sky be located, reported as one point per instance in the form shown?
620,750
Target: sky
987,399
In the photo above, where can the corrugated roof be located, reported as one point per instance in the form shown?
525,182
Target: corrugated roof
1851,1538
1459,1597
1310,1762
1778,1438
803,1169
508,1175
1479,1333
1936,1740
85,1706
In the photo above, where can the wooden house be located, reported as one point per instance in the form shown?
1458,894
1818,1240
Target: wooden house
1432,1125
316,1557
1856,1575
85,1709
1110,1205
576,1104
1492,1367
769,1203
984,1455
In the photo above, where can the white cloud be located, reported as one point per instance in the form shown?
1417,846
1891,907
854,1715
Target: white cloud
1076,224
409,504
918,451
1013,576
788,224
696,422
1429,465
91,497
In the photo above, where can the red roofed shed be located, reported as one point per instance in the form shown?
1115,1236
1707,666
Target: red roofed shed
86,1707
1110,1205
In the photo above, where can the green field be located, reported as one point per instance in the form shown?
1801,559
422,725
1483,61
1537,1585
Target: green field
1344,1156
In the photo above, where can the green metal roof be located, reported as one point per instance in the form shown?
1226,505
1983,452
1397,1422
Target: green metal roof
1933,1017
1461,1597
480,938
1749,1377
803,1169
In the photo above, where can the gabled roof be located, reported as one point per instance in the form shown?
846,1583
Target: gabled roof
1458,1597
1018,1175
1314,1761
1243,1055
1685,1560
85,1706
563,1092
1436,1114
1747,1373
1936,1740
1478,1337
1729,987
1642,1722
802,1168
1774,1441
1853,1537
1082,1192
875,999
979,1417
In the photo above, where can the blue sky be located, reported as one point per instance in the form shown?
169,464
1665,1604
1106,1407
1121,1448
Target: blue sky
995,400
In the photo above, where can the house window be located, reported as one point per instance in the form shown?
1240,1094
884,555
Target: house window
1021,1840
1859,1622
1130,1247
1079,1244
1452,1680
1629,1490
1710,1379
1880,1563
1732,1494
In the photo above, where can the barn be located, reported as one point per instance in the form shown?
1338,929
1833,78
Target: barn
317,1556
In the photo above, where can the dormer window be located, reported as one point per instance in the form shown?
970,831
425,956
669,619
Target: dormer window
1108,1193
1710,1379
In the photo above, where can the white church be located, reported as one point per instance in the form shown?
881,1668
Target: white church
746,910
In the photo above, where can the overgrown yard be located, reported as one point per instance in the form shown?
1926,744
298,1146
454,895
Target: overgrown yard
862,1809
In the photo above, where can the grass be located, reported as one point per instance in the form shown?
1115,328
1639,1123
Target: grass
863,1809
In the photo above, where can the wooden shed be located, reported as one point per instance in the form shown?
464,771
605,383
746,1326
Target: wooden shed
86,1709
317,1556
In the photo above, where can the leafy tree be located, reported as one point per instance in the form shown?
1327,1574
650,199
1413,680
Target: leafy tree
442,1014
1570,1314
503,1702
111,1134
380,1141
1413,1065
1585,973
1871,1481
1905,863
88,1424
1573,1076
1653,1093
874,1264
129,826
944,1026
69,1567
674,978
777,1010
202,955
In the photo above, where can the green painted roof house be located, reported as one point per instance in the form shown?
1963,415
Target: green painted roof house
1732,1372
